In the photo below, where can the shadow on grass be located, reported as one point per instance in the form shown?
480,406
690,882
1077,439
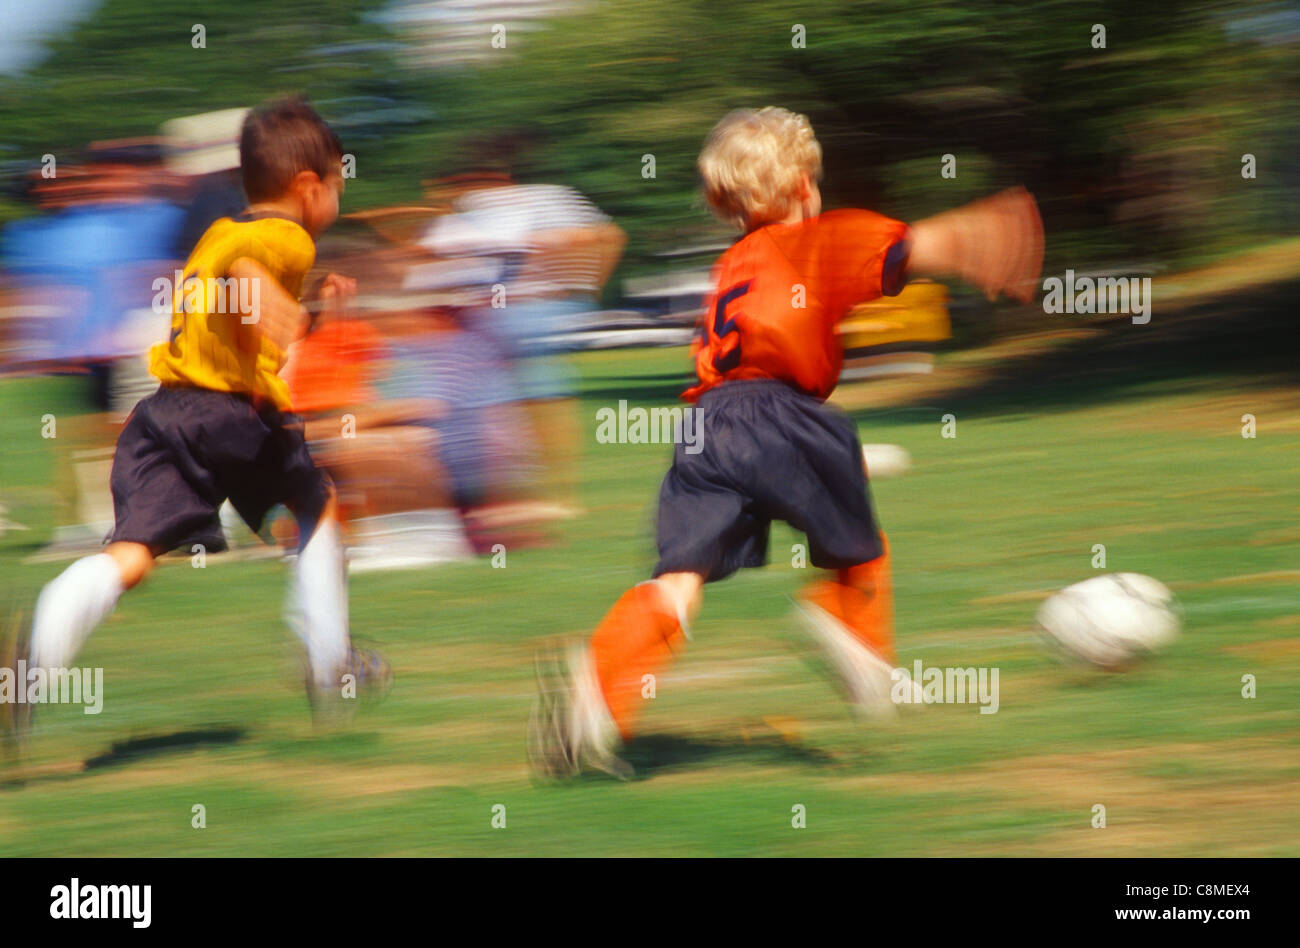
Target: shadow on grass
656,753
143,747
15,775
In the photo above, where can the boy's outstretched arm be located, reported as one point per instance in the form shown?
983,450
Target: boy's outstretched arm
995,243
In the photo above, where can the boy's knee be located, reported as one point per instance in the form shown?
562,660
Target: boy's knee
134,562
329,512
686,592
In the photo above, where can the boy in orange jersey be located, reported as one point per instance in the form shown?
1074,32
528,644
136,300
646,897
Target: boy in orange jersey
220,425
767,358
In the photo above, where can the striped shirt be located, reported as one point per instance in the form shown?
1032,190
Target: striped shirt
504,223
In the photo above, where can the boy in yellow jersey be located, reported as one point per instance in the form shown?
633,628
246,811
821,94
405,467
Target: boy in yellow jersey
219,425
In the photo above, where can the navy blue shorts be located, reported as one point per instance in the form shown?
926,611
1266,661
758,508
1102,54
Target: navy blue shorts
768,452
184,451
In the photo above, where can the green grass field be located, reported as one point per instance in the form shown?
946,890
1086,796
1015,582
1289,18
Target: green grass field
1150,464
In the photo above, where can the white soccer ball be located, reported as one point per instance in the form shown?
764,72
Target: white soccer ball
885,460
1110,620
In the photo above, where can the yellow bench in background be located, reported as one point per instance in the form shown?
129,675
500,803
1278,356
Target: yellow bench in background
918,314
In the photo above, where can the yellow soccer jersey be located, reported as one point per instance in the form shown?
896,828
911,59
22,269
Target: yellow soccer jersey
203,350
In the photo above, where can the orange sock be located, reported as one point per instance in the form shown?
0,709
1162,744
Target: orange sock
862,597
637,637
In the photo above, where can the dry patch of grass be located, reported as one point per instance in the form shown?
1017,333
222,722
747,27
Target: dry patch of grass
1274,263
1270,649
959,372
1288,536
318,782
1238,798
1245,579
1276,410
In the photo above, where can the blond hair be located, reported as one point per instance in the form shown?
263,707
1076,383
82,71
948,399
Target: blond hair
752,162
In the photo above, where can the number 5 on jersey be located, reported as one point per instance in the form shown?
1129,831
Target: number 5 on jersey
728,356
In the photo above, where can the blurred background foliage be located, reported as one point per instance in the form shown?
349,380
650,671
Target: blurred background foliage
1134,150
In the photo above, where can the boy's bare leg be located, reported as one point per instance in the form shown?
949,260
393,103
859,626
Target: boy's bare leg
687,592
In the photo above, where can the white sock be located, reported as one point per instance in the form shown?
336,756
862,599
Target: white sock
69,608
229,518
322,603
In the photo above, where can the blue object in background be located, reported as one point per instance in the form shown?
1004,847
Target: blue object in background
86,262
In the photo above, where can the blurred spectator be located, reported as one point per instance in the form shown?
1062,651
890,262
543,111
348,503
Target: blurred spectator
203,150
85,273
479,431
84,276
380,448
543,253
91,259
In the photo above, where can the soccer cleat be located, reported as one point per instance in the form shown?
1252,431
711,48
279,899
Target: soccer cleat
570,728
15,716
372,677
594,731
863,676
549,744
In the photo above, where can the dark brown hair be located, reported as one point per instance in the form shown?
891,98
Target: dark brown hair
281,138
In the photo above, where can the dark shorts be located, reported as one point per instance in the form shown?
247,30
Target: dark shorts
184,451
768,453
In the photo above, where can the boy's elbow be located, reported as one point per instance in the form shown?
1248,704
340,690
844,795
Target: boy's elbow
245,268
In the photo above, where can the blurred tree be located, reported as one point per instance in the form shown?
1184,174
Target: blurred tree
1134,149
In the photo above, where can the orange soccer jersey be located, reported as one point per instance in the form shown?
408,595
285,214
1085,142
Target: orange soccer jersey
780,291
331,366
